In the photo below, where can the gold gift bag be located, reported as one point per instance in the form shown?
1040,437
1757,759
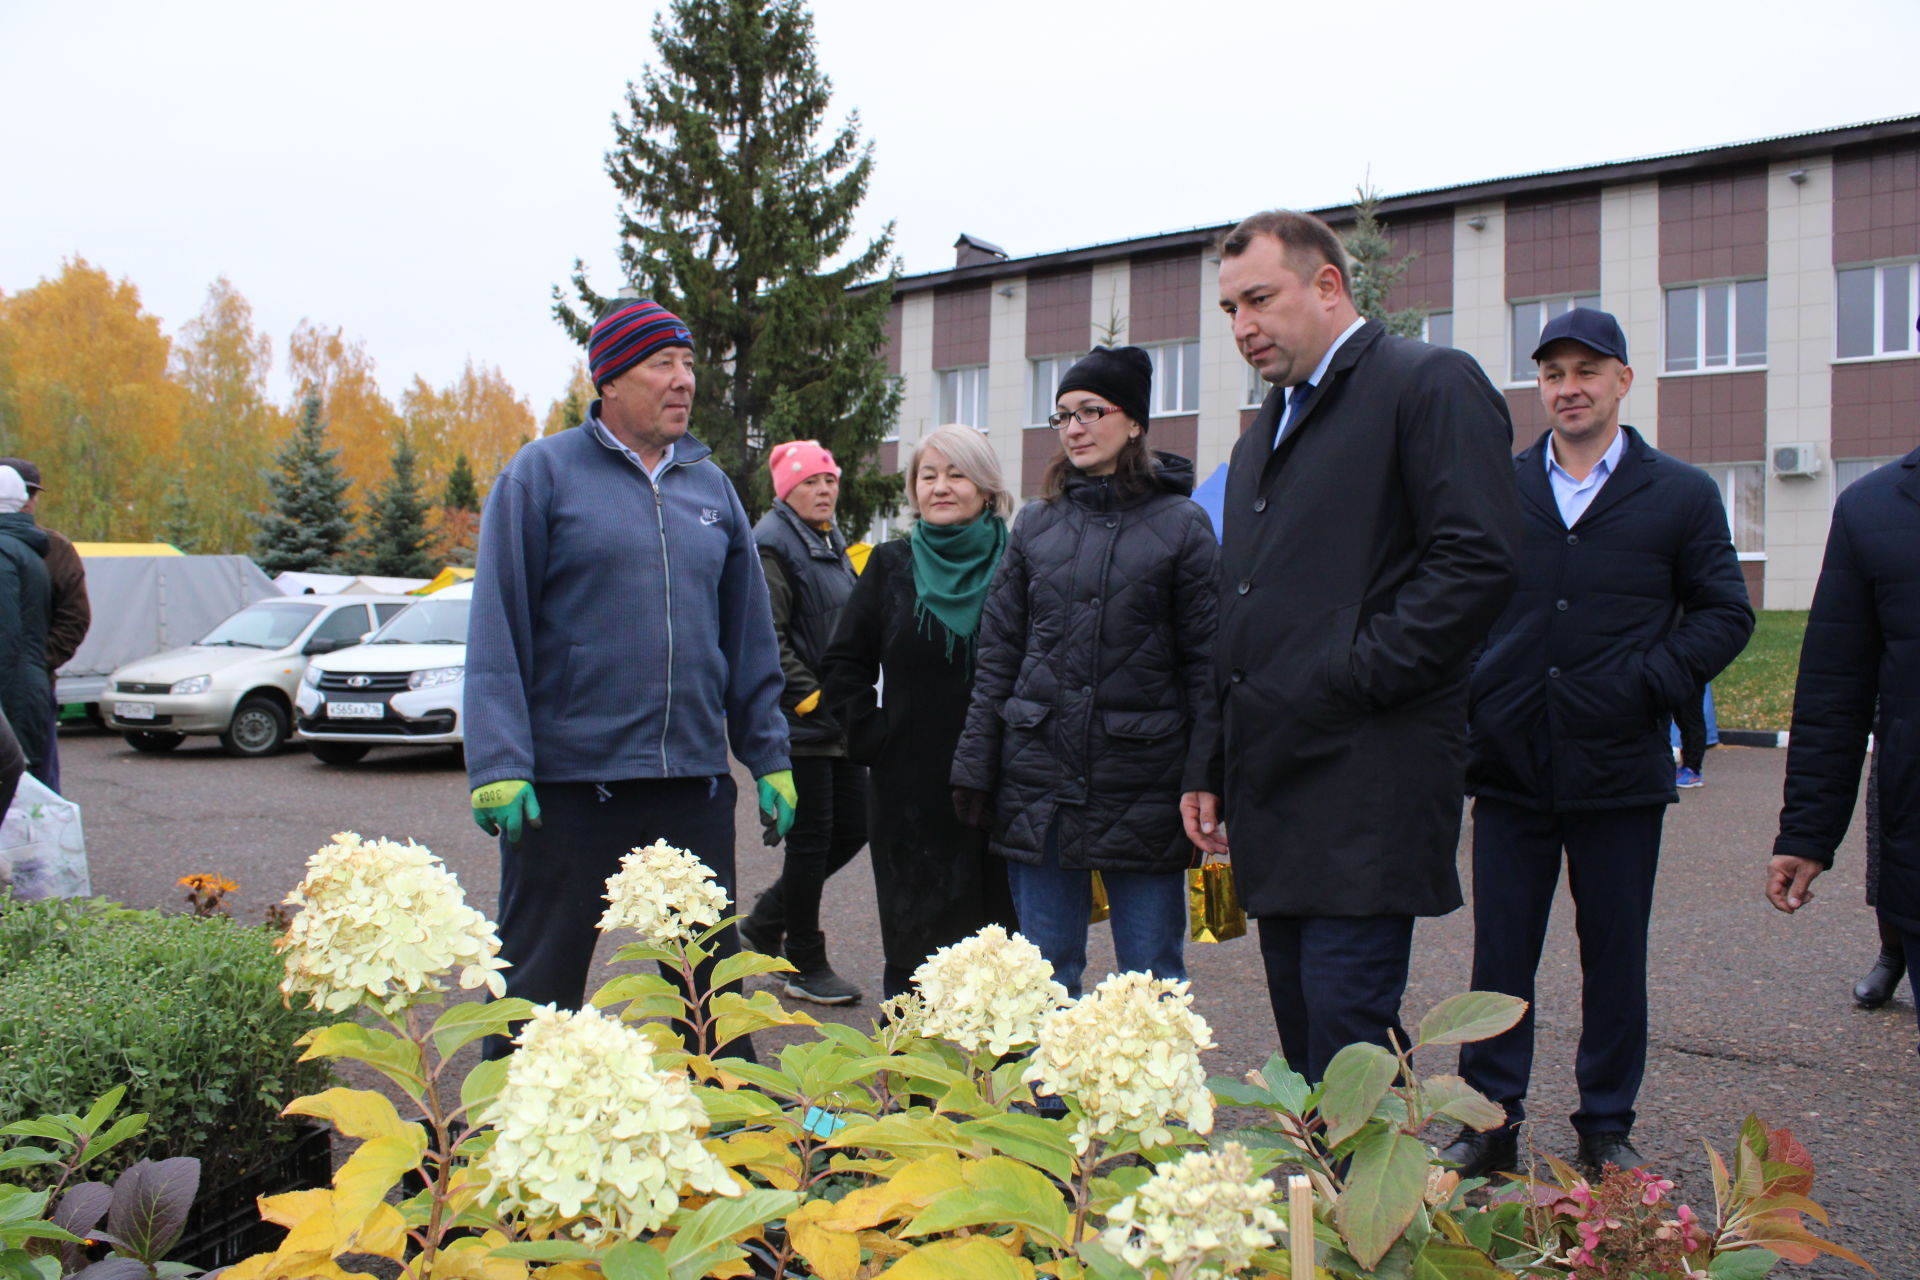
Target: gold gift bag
1100,908
1213,908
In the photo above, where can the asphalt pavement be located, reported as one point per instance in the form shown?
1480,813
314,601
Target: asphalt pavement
1752,1010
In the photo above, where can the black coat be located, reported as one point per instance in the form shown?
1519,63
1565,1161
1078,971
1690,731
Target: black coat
935,881
1363,560
1613,626
25,610
1863,645
1094,670
808,581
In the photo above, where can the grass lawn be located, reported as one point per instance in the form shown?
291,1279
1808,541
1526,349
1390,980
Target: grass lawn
1756,692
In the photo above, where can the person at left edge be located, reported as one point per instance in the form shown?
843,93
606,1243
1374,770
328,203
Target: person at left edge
619,639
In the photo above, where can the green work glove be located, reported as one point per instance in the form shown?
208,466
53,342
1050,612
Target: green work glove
778,799
504,806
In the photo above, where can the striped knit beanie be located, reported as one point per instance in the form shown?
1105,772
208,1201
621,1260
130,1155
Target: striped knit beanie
630,333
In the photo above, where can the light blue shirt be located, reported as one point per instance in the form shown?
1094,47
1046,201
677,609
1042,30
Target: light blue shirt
613,442
1313,379
1575,496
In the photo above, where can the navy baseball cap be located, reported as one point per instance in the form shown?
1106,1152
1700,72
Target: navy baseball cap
1591,328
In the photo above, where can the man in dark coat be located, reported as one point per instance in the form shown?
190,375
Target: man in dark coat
72,612
1862,648
1630,598
26,697
1369,539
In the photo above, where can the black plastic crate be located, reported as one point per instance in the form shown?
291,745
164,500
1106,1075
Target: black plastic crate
225,1224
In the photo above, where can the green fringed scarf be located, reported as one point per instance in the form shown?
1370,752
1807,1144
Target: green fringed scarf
952,565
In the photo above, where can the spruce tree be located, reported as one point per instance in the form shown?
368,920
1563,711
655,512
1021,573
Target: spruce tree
306,527
462,493
397,533
1375,270
177,524
731,215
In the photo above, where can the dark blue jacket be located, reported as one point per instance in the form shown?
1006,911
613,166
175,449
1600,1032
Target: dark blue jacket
25,611
618,630
1863,649
1615,622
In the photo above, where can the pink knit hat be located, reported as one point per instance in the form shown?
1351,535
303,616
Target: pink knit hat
794,461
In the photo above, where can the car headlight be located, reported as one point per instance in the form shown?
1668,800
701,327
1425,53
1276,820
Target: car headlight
192,684
435,677
312,678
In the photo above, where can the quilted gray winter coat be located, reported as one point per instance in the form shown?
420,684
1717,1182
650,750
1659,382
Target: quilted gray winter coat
1094,664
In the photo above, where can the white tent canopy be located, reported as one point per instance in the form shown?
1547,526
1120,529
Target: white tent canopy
319,584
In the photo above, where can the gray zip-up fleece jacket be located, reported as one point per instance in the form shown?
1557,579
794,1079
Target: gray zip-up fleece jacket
618,630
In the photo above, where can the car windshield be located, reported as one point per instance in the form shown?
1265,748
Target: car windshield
429,622
271,624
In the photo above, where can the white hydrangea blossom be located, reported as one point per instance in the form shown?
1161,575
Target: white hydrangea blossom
1203,1215
1129,1052
664,894
589,1129
988,991
382,921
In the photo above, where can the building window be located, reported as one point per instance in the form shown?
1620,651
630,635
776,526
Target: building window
1176,378
1847,470
1743,487
1876,307
1717,326
963,396
1255,393
1043,377
1529,318
1437,328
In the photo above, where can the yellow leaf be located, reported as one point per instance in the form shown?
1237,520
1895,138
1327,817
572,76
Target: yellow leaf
974,1258
374,1169
358,1113
833,1255
469,1260
908,1191
767,1154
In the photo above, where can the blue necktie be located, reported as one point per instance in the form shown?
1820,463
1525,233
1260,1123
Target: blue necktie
1296,405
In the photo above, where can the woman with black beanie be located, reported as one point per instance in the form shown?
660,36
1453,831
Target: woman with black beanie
1094,671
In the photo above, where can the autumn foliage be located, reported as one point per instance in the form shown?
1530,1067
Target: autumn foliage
145,436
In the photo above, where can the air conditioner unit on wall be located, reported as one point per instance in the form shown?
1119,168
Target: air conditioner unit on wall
1796,460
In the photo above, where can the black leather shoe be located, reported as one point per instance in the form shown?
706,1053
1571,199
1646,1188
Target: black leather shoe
1480,1155
1881,981
1598,1150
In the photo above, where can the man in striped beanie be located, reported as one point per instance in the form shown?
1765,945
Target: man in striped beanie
620,638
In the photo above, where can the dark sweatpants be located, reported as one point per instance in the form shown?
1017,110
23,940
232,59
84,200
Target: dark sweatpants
553,883
1612,856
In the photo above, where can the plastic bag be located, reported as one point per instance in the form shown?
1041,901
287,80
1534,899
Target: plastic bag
42,851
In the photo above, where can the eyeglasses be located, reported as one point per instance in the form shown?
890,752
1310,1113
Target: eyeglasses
1086,415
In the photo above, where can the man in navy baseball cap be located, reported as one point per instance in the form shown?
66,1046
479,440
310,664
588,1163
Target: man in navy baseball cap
1630,598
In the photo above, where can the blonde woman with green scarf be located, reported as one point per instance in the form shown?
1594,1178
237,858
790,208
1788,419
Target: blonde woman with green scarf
899,675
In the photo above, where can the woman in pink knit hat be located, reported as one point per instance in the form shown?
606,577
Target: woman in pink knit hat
809,578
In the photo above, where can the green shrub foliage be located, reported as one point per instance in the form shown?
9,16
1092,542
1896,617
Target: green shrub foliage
185,1011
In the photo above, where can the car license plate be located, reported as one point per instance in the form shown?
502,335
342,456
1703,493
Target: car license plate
133,711
356,710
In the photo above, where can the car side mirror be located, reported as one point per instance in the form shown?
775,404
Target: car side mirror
318,646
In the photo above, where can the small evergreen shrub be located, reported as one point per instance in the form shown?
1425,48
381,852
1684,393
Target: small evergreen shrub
184,1011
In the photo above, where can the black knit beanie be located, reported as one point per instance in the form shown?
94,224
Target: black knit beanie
1123,375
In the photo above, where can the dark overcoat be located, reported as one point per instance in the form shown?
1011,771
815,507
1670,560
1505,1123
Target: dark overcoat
1615,623
1094,673
1863,648
900,683
1362,562
25,607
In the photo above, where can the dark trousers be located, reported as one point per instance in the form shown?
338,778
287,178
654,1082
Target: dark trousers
50,772
1912,943
1612,856
1335,981
1691,718
829,828
553,883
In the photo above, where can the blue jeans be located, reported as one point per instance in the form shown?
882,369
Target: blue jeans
1149,916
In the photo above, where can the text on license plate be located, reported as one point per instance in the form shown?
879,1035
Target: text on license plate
356,710
133,710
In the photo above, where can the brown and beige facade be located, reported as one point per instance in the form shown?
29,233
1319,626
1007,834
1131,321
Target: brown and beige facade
1768,290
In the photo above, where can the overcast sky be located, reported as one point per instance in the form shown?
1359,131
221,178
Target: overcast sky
422,172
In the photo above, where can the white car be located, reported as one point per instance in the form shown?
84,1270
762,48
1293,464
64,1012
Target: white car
402,687
238,680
